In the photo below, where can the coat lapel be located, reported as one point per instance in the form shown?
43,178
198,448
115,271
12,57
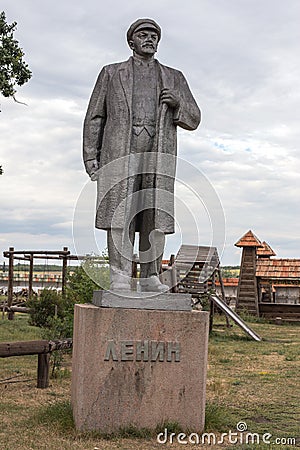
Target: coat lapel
126,78
166,80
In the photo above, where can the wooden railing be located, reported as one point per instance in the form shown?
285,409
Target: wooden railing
42,348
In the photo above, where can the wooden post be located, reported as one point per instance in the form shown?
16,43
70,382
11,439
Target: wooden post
30,281
211,315
134,266
10,287
173,274
221,284
134,272
43,370
223,294
64,270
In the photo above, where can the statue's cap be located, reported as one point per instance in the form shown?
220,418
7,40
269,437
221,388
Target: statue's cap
141,24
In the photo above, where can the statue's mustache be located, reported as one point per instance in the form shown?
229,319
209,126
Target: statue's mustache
148,44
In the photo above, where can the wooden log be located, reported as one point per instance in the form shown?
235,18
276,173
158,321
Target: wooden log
61,344
18,258
36,252
42,348
22,309
23,348
43,257
33,347
43,370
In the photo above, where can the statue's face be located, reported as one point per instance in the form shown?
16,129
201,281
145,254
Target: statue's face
144,42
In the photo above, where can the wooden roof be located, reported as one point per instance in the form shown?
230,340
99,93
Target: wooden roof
197,254
229,282
202,260
278,268
249,240
265,251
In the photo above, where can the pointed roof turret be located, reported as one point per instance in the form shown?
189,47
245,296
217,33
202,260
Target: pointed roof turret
265,251
249,240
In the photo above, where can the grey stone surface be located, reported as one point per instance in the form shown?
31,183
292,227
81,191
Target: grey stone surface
136,300
138,368
129,147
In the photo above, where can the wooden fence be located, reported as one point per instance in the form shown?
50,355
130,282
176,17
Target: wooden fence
285,311
42,348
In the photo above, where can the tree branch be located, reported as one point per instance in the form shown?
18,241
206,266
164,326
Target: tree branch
17,101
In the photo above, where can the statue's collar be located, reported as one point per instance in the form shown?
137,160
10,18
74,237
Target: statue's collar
142,62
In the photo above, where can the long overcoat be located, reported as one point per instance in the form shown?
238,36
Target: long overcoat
107,138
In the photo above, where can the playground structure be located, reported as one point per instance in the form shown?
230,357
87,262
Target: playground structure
194,271
30,256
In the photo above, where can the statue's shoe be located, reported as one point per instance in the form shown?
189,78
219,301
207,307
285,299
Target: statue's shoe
153,284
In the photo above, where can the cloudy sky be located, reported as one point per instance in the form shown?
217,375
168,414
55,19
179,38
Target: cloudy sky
242,62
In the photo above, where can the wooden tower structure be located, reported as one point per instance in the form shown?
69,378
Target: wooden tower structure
265,251
247,294
265,291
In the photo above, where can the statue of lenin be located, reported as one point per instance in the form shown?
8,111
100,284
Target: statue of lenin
129,147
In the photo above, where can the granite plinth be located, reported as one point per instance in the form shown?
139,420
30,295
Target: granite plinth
138,368
143,300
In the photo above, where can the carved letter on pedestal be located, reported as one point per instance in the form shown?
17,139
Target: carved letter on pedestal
111,351
142,348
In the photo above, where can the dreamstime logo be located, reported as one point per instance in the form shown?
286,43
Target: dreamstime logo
240,436
131,185
241,426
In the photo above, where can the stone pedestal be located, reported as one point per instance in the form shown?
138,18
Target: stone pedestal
141,368
143,300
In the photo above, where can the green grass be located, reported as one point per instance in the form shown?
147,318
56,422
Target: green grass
18,329
217,417
253,382
257,382
59,414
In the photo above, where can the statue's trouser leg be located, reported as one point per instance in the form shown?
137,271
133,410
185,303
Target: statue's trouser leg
151,247
152,241
120,250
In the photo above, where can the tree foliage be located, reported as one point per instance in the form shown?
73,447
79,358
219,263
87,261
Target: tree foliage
44,307
87,278
13,69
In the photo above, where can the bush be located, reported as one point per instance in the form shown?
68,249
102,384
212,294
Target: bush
58,328
55,312
49,304
80,286
52,305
